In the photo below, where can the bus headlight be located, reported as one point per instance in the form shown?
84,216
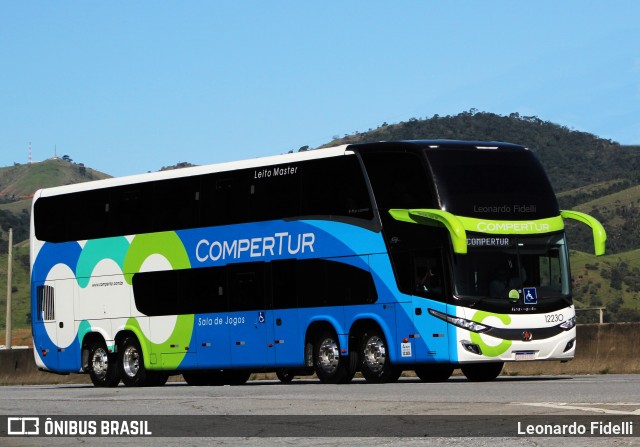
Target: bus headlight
460,322
570,323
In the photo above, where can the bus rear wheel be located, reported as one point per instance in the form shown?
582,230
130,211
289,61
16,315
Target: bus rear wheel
375,364
329,365
103,366
434,373
482,372
131,363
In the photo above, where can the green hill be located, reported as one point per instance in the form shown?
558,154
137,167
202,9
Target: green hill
20,290
21,181
621,213
612,281
18,184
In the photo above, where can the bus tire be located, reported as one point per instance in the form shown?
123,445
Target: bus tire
216,377
156,378
285,375
196,379
103,366
236,376
131,363
482,372
434,372
329,365
375,364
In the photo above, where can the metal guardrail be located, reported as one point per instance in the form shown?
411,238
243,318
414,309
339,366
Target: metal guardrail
599,309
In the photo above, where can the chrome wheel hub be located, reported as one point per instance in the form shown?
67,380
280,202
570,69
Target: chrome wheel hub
329,355
100,363
375,354
131,361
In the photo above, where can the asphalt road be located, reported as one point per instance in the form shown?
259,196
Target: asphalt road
306,412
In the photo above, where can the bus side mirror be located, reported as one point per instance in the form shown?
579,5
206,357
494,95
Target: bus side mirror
425,216
599,234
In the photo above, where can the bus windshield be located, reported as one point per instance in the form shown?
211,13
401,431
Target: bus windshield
499,185
531,269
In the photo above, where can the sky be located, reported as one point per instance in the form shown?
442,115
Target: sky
128,87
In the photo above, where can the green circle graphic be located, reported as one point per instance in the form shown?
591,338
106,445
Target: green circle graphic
488,350
169,245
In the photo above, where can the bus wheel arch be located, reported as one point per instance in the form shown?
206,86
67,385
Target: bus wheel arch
101,364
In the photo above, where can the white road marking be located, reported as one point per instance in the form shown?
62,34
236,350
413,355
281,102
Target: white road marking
588,406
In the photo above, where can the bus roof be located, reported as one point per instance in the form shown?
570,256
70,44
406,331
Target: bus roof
196,170
440,144
344,149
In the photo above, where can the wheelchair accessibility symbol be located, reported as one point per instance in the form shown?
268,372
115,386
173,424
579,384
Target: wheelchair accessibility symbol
261,317
530,295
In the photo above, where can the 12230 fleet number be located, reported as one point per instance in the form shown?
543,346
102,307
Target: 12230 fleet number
553,318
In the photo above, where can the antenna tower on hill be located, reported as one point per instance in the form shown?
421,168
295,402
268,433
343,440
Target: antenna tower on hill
30,154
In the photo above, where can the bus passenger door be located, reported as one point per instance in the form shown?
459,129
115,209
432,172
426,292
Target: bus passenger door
211,331
286,349
212,341
247,321
248,332
285,346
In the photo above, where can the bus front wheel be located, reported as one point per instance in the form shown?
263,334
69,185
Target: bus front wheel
434,373
103,366
482,372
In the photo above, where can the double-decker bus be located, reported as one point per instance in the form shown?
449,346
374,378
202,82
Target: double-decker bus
379,258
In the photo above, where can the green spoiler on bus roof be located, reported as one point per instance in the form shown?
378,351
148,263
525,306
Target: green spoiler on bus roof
459,225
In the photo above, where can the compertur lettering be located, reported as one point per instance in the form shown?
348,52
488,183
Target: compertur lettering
504,227
258,247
